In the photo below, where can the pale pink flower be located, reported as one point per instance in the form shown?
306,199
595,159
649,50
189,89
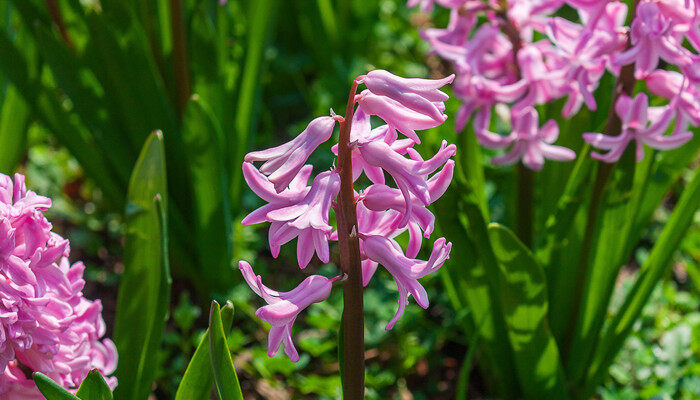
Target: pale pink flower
307,220
533,144
420,95
653,38
283,308
684,96
282,163
640,123
410,175
406,271
45,322
265,189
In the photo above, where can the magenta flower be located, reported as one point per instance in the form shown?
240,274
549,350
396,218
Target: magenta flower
405,271
533,144
306,220
409,175
362,132
282,163
265,189
584,56
420,95
398,116
46,324
684,95
283,308
653,37
543,83
636,115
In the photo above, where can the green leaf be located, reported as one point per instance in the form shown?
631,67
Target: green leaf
94,387
608,254
652,271
18,66
225,376
197,382
203,138
50,389
473,270
525,306
144,292
14,122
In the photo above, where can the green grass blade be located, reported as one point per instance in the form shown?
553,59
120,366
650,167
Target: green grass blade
261,16
143,298
14,122
203,138
525,305
50,389
94,387
197,382
650,274
224,372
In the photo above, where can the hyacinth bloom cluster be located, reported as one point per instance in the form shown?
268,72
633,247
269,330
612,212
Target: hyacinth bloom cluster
298,210
46,325
518,54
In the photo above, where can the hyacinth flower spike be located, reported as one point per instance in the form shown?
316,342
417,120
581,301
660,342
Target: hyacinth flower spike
406,271
282,163
635,116
283,308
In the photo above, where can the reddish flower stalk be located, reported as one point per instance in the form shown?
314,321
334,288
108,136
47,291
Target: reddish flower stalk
350,263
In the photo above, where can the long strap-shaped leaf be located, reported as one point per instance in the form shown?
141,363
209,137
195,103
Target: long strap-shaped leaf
525,304
144,292
14,119
650,274
474,273
197,382
223,370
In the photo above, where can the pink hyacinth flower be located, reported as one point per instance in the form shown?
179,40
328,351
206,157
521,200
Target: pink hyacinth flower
399,115
543,84
265,189
410,175
406,271
420,95
46,325
283,308
533,144
306,220
282,163
684,96
362,132
635,116
653,37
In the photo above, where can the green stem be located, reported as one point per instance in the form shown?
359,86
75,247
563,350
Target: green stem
182,77
349,246
57,18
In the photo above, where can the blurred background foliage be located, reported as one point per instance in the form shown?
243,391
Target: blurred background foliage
84,82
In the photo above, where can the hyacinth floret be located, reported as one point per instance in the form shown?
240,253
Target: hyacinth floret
46,324
384,211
